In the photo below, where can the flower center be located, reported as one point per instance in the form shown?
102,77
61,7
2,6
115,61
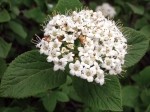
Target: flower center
60,63
88,73
76,68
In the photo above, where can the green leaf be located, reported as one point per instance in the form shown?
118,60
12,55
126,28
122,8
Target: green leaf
93,5
4,48
143,77
28,3
106,97
73,94
30,74
35,14
146,31
147,16
145,96
40,3
29,109
4,16
61,96
137,46
148,108
3,67
136,9
68,89
13,109
49,102
130,96
120,3
64,5
18,29
15,10
93,110
140,23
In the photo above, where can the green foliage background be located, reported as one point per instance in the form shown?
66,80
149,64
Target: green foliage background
39,91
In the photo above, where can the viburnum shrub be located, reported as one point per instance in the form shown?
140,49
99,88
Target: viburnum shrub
81,57
89,43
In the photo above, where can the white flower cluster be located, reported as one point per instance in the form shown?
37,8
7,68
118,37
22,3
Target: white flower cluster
87,42
107,10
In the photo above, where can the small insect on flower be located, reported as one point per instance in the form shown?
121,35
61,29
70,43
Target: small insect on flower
90,44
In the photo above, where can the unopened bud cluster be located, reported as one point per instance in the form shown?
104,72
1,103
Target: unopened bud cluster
91,45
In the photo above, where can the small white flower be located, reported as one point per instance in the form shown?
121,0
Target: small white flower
60,64
118,70
100,77
75,68
99,80
112,53
89,43
44,47
88,74
69,57
98,48
53,56
86,61
107,63
84,51
69,38
55,45
112,72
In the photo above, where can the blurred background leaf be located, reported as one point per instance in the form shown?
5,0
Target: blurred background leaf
3,67
4,16
130,96
143,78
18,29
35,14
4,48
64,5
136,9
